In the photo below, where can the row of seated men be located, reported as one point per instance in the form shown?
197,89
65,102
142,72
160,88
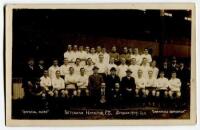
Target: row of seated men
111,88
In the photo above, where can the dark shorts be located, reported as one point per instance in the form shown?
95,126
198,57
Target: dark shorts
162,92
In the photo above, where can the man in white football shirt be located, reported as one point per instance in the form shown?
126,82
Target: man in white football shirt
87,51
162,88
77,66
175,86
82,55
58,85
122,68
64,69
101,64
45,81
52,70
137,56
89,67
111,64
98,50
154,69
93,55
71,81
75,53
105,55
140,82
145,68
150,88
69,53
134,67
130,51
82,83
146,55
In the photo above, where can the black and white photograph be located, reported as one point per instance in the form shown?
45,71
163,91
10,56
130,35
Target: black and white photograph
108,62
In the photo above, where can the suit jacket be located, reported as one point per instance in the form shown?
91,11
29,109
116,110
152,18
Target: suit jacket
128,83
95,82
40,71
110,82
29,74
167,72
184,75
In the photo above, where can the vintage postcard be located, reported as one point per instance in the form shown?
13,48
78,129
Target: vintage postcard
100,64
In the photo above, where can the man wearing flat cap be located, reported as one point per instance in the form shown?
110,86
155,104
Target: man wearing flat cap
128,86
94,84
111,80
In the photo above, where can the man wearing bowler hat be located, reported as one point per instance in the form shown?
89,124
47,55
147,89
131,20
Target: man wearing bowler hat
111,80
94,84
128,86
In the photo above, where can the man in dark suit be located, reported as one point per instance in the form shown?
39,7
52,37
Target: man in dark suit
166,69
111,80
94,85
40,68
174,66
29,76
38,95
128,86
184,75
116,96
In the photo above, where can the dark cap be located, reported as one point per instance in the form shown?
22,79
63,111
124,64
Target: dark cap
95,67
128,70
113,69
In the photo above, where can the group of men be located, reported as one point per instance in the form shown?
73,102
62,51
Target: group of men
107,77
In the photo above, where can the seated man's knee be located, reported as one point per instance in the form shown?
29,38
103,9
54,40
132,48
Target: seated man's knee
147,92
78,92
143,91
157,94
66,92
75,93
87,92
56,93
136,91
153,93
178,94
43,95
165,93
171,94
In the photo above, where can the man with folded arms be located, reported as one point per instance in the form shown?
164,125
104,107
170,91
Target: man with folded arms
175,88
